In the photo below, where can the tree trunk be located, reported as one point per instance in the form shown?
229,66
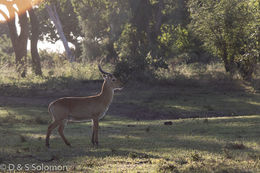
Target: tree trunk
36,63
159,16
78,49
112,55
55,18
152,33
20,42
229,63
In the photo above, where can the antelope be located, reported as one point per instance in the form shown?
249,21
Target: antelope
87,108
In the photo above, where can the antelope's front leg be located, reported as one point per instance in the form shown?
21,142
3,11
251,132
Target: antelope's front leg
94,139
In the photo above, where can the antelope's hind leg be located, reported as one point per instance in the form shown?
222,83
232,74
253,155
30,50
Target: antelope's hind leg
60,130
51,127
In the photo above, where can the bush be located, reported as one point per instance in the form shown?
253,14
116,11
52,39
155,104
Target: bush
230,30
6,51
136,58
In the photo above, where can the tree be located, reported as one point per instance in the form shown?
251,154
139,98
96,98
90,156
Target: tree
122,31
19,40
101,22
228,29
36,64
138,45
69,21
56,20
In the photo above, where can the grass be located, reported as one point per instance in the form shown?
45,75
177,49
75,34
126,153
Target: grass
179,101
226,144
59,77
144,130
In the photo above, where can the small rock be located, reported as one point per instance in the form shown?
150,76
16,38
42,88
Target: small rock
168,123
147,129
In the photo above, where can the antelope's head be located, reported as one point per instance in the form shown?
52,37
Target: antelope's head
110,80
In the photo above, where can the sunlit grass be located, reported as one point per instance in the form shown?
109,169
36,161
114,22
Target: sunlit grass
79,71
62,77
128,143
227,144
179,100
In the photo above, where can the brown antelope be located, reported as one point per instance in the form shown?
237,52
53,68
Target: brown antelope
83,108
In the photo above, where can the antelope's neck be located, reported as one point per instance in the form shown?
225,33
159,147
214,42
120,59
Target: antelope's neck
106,95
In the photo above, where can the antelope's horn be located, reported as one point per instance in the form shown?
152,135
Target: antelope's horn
102,71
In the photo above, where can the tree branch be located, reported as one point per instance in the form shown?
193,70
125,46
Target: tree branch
6,3
4,15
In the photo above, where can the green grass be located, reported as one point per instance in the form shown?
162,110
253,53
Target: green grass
227,144
133,137
185,100
59,77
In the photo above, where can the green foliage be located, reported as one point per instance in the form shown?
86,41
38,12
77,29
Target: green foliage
101,22
118,31
155,62
174,39
6,51
69,20
129,52
229,29
135,59
145,36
